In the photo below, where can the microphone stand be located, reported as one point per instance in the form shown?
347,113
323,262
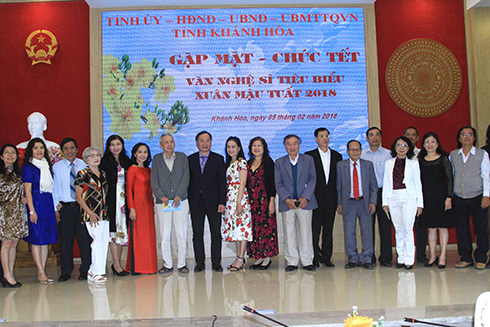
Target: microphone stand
263,316
413,321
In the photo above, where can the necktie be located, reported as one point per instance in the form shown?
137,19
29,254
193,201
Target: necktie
355,181
203,159
73,175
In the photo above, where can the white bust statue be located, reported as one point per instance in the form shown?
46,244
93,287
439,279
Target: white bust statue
37,124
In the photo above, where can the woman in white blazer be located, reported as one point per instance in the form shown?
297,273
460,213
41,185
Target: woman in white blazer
402,198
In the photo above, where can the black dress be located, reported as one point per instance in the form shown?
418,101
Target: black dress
437,185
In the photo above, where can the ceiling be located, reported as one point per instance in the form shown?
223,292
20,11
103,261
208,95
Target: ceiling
477,3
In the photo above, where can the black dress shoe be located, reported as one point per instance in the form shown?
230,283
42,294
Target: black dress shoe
217,267
199,267
316,263
368,266
310,268
385,263
423,260
83,276
399,266
63,277
441,266
328,264
350,265
291,268
408,267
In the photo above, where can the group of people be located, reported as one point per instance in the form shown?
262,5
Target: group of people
109,201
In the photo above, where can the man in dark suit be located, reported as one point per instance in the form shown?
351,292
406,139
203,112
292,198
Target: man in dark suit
326,194
207,197
357,190
295,184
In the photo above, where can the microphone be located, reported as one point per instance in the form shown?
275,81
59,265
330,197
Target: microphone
248,309
413,321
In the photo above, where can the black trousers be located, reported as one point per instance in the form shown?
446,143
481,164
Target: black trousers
323,219
384,227
71,225
198,216
421,235
462,209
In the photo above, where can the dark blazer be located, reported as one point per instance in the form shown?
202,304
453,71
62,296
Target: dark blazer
326,196
109,166
211,183
305,184
369,183
270,185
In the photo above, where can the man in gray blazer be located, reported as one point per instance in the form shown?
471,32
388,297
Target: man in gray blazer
295,178
357,193
169,182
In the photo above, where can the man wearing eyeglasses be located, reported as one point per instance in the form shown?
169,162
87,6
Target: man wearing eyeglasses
471,195
326,194
357,192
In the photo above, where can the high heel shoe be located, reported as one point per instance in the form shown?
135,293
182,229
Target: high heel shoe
5,283
435,262
265,267
120,274
234,268
441,266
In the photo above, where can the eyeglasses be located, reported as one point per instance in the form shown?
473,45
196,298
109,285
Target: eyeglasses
467,135
94,156
324,136
402,145
354,150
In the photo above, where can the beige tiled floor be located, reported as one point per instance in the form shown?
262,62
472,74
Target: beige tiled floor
224,294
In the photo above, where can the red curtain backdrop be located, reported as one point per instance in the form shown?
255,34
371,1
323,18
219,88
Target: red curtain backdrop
443,21
61,91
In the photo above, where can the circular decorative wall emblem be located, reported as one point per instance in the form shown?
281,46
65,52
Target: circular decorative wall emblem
41,46
423,78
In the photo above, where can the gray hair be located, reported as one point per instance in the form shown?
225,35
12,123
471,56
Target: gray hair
87,151
165,134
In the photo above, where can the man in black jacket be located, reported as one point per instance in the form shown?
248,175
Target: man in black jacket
326,195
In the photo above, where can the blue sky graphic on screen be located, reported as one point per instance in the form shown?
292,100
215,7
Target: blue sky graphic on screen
235,72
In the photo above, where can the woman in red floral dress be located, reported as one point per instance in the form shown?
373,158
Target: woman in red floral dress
262,192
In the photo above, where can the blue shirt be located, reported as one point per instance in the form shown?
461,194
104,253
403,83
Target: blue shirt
61,170
378,159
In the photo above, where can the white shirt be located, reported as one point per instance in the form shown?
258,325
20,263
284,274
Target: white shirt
378,159
484,167
169,161
358,168
295,161
326,158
